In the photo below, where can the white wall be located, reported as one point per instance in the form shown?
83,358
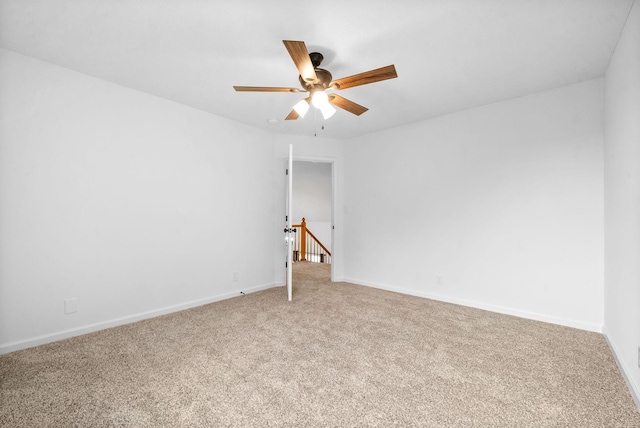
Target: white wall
622,200
132,204
312,197
503,202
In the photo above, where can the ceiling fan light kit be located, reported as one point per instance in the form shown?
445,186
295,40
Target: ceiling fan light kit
327,111
319,99
301,107
316,81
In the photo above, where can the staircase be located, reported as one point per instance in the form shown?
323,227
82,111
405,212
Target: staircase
306,247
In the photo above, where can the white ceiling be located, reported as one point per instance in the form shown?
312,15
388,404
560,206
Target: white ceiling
450,55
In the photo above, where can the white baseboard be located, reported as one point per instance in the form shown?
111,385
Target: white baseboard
633,388
480,305
65,334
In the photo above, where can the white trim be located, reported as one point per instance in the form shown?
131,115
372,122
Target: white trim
289,216
479,305
628,379
66,334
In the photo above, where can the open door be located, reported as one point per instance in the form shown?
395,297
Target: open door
288,230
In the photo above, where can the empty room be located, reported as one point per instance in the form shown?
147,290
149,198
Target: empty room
332,214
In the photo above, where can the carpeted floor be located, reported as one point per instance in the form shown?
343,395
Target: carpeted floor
339,355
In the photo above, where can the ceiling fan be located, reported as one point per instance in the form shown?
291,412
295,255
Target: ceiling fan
317,81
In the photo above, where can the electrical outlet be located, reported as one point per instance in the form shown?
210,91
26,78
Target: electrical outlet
70,306
235,276
439,281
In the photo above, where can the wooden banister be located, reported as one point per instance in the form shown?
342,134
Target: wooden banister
318,241
302,254
303,239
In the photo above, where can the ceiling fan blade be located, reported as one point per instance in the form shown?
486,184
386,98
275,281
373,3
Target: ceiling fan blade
346,104
371,76
264,89
300,56
292,116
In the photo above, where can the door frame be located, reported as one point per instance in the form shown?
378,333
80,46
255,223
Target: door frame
334,203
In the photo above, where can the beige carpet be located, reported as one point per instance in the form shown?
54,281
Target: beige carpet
339,355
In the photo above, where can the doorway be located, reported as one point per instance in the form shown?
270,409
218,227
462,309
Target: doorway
313,199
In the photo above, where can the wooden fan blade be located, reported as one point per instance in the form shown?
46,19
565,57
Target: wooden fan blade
300,56
264,89
346,104
292,116
371,76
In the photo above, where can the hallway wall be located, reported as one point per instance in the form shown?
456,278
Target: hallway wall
312,197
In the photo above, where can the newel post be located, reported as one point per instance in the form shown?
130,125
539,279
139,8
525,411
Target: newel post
303,240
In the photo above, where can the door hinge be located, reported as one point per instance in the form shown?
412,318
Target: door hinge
287,171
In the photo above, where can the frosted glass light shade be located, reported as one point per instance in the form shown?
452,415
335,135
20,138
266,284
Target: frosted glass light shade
301,107
320,99
327,111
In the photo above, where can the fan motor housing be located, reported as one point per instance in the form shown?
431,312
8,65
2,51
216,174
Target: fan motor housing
324,80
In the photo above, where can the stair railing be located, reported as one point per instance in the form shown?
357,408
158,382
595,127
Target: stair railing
309,248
